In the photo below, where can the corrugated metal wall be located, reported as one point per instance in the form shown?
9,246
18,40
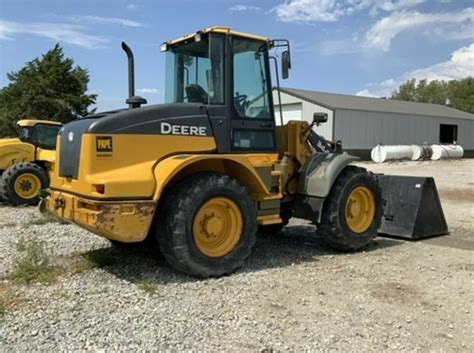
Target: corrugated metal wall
363,130
308,109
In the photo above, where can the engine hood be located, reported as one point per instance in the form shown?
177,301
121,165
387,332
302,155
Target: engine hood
13,151
147,120
10,142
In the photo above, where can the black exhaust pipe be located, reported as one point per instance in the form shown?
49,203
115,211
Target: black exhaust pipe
133,101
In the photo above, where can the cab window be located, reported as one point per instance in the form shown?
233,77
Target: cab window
45,136
250,80
195,72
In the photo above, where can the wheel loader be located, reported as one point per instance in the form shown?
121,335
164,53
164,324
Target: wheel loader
25,161
202,172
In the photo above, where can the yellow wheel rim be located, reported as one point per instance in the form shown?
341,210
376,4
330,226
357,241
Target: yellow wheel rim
27,185
360,209
217,227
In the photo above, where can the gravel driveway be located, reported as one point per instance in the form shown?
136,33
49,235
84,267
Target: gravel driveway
293,294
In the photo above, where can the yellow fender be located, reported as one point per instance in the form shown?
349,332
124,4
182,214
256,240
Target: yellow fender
13,151
241,167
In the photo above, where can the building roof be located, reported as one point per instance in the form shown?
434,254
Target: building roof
343,101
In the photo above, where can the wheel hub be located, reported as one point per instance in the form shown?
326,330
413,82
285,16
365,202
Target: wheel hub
360,209
27,185
217,227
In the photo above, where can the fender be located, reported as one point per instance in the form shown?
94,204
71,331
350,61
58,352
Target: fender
320,171
240,167
315,182
14,151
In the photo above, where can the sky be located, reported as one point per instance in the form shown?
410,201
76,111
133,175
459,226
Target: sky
363,47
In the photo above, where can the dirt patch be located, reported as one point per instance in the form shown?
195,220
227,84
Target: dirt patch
457,195
394,292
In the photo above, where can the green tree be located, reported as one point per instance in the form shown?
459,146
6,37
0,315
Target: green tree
48,88
459,93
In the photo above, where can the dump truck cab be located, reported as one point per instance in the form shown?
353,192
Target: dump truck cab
202,171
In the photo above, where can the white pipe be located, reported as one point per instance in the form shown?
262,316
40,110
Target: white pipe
382,153
446,151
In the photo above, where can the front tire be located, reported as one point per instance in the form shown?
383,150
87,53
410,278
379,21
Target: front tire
22,182
353,210
208,225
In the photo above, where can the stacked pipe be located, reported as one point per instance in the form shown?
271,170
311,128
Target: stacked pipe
382,153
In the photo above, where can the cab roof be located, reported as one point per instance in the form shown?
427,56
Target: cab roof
221,30
33,122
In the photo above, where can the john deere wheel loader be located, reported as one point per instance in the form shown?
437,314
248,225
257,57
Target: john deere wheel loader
25,161
200,173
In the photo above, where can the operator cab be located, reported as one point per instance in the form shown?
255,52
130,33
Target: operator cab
40,133
229,73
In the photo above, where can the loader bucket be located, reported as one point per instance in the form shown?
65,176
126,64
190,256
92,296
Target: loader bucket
412,209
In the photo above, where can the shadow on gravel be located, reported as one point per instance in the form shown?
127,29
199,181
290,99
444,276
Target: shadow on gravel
293,245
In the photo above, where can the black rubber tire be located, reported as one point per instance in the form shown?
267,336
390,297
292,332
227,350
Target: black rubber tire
3,189
333,228
11,174
176,216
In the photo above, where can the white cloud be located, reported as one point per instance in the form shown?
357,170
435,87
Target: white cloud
460,66
60,32
245,8
132,7
107,20
148,91
309,11
449,25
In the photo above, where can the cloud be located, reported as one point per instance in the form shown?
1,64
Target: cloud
448,25
460,66
148,91
132,7
309,11
60,32
107,20
245,8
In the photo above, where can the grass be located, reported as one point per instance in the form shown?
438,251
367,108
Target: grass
3,309
99,258
45,219
32,263
148,287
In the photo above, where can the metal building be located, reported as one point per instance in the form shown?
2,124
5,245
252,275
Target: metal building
361,122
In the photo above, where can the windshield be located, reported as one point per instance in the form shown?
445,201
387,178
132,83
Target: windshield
195,72
45,136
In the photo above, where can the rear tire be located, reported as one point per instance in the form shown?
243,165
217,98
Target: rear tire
3,190
208,225
353,210
22,182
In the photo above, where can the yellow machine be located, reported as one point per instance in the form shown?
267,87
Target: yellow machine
202,172
25,161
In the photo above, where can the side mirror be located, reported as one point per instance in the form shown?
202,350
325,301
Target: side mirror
319,118
285,64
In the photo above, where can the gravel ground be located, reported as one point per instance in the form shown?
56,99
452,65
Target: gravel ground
293,294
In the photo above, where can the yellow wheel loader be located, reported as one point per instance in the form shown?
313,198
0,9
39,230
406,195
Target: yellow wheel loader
26,160
200,173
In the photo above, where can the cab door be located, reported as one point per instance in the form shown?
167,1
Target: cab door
250,99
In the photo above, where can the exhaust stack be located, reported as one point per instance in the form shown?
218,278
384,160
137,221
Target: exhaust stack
133,101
